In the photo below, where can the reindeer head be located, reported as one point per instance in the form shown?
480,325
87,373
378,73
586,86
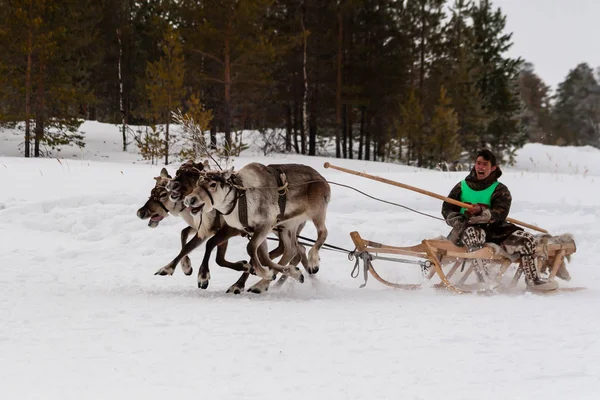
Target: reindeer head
159,204
185,180
210,192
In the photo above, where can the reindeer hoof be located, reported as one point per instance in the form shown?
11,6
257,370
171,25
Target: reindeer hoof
186,266
254,290
203,285
234,290
164,272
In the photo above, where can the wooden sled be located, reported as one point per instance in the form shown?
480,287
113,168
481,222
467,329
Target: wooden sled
446,266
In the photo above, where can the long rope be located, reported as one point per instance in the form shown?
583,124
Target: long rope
386,201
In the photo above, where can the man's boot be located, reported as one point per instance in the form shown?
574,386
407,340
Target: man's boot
532,278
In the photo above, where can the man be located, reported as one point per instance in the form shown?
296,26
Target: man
485,220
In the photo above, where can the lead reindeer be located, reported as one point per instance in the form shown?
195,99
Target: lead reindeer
259,198
160,205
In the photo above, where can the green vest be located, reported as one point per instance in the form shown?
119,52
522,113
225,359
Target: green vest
468,195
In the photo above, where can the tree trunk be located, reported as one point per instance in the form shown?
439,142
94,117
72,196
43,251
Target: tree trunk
368,138
167,143
227,80
288,127
296,134
305,81
28,94
422,56
312,127
121,104
349,131
213,136
344,131
338,91
361,137
39,119
349,76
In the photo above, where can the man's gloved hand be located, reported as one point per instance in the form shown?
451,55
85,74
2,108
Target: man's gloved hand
483,218
475,209
456,219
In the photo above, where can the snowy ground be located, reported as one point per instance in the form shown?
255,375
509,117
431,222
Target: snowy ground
83,316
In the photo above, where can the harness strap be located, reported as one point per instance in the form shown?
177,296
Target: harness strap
156,197
162,205
212,202
242,203
282,189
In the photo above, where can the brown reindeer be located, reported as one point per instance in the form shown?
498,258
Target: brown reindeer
251,200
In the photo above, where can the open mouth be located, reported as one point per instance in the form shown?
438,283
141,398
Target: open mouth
196,210
154,220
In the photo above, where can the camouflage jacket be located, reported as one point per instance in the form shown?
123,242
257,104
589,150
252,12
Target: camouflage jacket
498,228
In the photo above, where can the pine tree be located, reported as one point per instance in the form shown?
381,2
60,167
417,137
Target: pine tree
461,77
443,145
536,115
48,59
165,83
410,125
577,109
498,80
151,144
230,48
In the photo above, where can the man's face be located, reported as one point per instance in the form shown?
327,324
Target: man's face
483,168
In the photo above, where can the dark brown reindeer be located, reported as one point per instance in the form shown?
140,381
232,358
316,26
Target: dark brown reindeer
158,206
182,185
251,200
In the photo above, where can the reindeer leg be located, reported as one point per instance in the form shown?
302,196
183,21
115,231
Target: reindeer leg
300,257
289,252
313,254
292,271
189,246
300,250
219,240
238,286
186,263
259,236
278,251
242,266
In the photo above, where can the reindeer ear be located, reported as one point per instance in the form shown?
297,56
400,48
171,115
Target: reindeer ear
164,173
157,178
199,166
227,173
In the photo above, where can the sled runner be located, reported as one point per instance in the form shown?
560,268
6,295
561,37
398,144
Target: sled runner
444,265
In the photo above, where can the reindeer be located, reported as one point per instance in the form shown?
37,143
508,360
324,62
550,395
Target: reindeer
160,205
259,198
184,183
